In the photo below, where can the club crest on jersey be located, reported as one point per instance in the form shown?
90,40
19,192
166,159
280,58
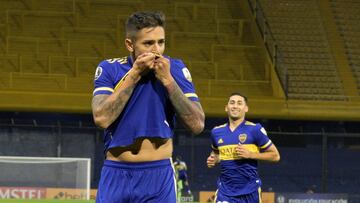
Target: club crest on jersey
98,72
187,74
242,138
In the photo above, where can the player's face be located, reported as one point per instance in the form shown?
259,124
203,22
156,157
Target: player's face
236,107
147,40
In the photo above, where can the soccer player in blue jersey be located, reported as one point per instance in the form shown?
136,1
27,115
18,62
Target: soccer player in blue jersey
237,146
135,100
181,169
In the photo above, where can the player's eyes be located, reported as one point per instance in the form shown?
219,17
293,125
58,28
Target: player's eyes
148,43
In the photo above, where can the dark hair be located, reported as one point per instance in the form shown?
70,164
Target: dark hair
143,19
239,94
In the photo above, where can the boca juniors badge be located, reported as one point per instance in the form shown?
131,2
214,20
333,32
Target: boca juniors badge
242,138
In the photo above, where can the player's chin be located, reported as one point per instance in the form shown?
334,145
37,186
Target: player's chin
235,116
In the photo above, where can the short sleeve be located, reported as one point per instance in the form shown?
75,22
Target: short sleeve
103,81
183,79
214,145
262,140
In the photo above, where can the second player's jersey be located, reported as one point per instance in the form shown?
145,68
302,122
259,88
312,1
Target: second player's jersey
239,176
180,167
148,112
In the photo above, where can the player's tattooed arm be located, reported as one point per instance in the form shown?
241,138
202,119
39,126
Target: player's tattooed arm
190,113
107,108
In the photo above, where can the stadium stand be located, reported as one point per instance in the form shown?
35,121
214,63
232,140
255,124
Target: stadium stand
298,27
294,59
66,39
346,14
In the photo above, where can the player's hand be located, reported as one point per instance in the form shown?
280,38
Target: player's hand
162,70
242,152
144,63
211,161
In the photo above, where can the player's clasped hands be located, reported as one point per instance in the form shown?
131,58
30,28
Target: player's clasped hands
144,63
162,69
153,61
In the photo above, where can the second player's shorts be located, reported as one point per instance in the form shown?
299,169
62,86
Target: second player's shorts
125,182
254,197
183,175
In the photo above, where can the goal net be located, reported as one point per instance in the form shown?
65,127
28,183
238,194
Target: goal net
46,172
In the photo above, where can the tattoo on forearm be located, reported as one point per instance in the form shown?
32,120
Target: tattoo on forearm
112,106
190,113
115,108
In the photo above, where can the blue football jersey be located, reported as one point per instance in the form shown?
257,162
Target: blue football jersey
239,176
148,112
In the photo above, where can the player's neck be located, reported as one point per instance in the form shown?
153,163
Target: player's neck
234,123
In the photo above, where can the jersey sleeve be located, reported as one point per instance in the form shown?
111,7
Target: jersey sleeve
214,145
184,80
103,81
262,140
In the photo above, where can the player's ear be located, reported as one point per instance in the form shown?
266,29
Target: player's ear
129,45
246,108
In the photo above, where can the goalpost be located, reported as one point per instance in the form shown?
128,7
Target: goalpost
46,173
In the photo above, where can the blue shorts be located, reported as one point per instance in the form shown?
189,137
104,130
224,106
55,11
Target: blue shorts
125,182
182,176
254,197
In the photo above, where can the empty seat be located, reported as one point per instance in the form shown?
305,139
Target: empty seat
347,17
37,23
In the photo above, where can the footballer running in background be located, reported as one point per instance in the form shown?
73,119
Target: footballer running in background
181,170
237,146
